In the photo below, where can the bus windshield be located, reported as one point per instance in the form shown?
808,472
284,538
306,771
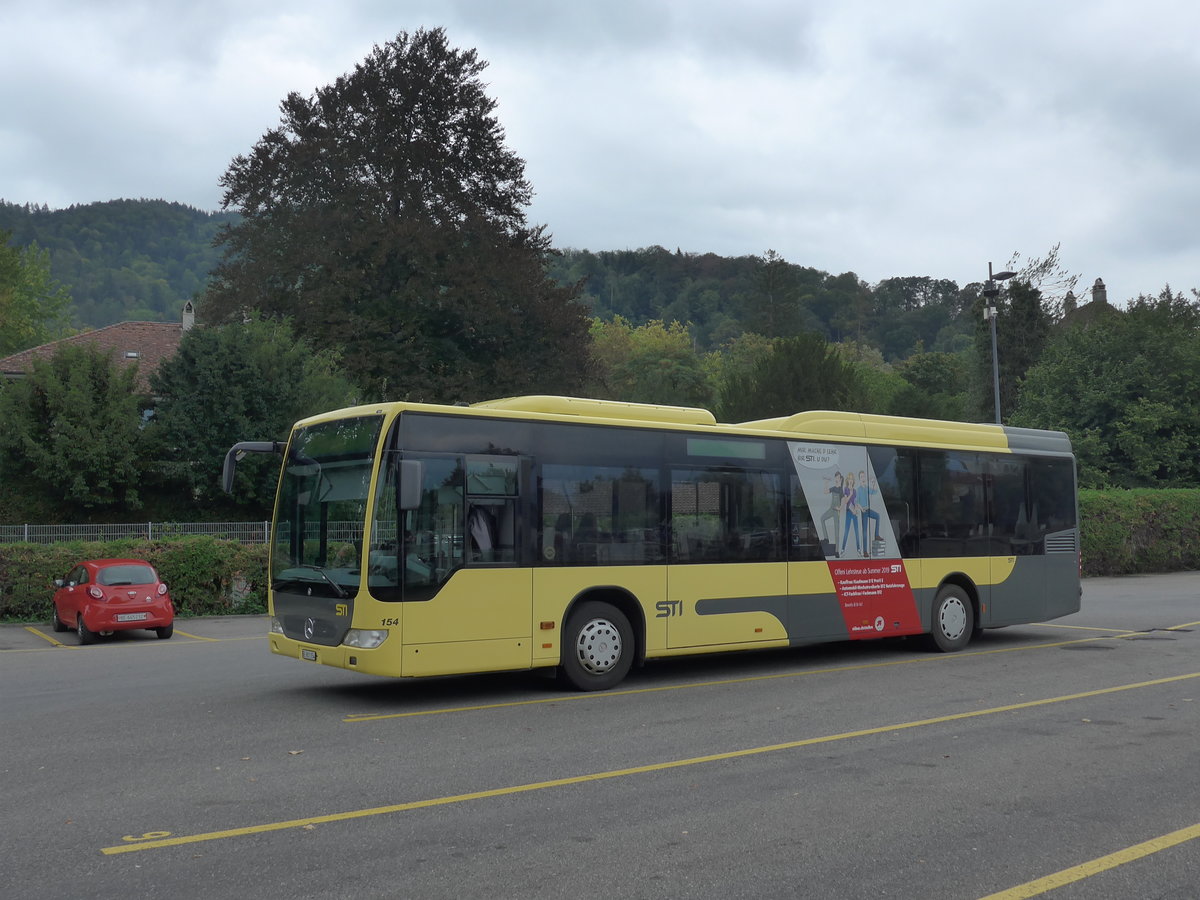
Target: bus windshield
322,505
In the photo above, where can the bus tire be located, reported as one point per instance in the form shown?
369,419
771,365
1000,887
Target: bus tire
597,647
953,620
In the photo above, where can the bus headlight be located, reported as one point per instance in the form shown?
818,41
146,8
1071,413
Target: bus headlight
364,639
276,626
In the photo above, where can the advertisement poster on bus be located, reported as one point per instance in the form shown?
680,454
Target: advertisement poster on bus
857,538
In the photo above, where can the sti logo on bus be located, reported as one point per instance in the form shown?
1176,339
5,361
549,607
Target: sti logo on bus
342,609
667,608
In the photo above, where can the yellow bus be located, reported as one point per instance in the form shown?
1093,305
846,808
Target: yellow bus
589,536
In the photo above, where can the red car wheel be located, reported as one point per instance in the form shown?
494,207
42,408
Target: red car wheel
86,635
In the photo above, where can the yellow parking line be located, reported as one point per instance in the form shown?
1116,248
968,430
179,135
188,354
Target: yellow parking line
161,840
1096,866
55,641
244,637
1182,627
195,637
57,644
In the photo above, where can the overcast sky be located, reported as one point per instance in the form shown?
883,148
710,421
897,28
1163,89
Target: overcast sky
883,138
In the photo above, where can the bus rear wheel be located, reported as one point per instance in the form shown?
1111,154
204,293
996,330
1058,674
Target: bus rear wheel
953,619
597,647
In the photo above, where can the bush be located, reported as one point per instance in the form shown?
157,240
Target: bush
206,576
1126,532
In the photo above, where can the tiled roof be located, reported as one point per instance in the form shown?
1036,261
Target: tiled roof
142,344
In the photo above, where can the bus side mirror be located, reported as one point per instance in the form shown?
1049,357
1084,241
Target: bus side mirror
412,475
237,451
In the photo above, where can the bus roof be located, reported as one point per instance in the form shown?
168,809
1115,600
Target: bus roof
604,409
812,424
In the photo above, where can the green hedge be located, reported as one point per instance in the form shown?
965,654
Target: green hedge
206,576
1123,533
1139,531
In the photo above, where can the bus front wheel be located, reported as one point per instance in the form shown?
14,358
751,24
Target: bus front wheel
597,647
953,619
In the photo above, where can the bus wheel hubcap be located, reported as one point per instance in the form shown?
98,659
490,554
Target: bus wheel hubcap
953,618
598,646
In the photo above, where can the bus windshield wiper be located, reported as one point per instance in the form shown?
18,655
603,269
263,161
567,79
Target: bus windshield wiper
341,591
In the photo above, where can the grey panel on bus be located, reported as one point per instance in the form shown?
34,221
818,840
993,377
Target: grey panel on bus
312,619
807,617
1062,573
924,600
1033,440
1022,594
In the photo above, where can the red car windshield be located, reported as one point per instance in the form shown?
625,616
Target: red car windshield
114,575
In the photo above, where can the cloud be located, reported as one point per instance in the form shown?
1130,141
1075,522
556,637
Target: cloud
887,140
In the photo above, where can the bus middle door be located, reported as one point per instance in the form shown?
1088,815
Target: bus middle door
727,577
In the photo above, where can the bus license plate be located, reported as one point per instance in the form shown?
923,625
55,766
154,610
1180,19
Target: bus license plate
310,655
132,617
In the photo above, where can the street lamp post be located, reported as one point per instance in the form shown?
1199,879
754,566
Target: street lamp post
990,291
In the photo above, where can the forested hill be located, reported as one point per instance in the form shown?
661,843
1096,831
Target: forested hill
123,260
721,297
139,260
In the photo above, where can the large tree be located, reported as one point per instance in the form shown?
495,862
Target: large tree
33,306
71,433
386,216
935,386
245,381
911,313
1126,386
653,363
797,373
773,308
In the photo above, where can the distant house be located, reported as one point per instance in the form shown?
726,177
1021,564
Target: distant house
1084,315
143,344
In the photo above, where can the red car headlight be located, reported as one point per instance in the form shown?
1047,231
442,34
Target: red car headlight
95,593
162,589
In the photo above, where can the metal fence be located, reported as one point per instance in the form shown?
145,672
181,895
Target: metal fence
246,532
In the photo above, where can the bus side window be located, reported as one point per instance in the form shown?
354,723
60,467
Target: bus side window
432,537
481,528
805,540
599,515
1009,512
491,531
726,515
1052,489
493,484
895,475
952,509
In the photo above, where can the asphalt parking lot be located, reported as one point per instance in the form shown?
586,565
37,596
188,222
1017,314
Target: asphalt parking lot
1050,760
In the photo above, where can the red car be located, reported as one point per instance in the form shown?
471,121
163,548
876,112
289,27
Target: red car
101,596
